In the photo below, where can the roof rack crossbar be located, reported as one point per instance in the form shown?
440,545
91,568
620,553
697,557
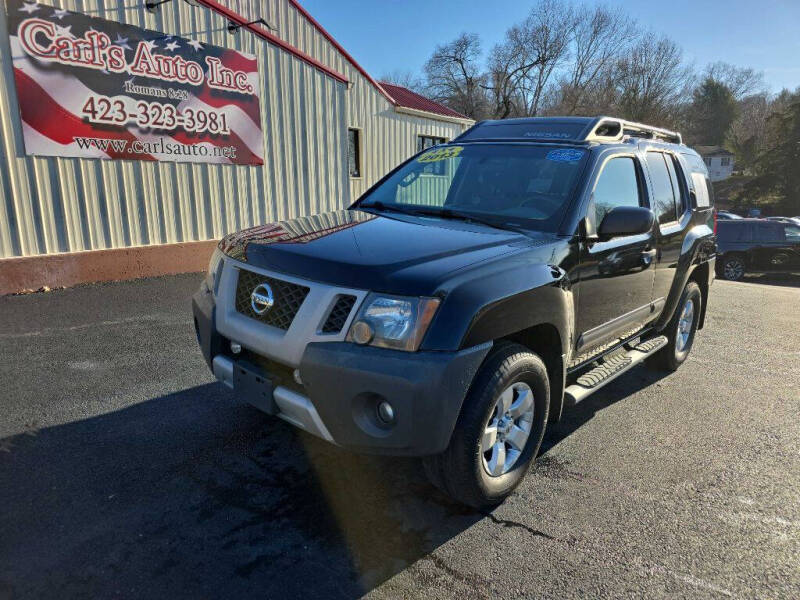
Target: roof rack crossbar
605,129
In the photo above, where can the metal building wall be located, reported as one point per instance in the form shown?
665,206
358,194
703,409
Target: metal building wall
50,205
387,137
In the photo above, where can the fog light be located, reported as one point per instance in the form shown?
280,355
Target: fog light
385,412
297,379
236,348
362,332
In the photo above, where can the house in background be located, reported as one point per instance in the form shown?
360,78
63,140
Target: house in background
718,160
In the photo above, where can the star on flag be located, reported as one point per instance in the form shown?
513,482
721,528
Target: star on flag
63,31
59,13
196,45
172,46
30,7
122,42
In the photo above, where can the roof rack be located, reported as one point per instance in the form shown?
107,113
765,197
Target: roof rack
610,129
565,130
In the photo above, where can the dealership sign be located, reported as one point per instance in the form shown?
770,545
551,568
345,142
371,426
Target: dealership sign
93,88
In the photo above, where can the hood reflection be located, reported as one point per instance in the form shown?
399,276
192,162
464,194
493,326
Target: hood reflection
294,231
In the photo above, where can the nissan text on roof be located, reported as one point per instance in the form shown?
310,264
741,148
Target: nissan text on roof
471,296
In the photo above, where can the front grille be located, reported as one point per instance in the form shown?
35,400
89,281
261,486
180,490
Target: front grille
339,313
288,297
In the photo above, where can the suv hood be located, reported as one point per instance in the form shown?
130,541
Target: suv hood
399,254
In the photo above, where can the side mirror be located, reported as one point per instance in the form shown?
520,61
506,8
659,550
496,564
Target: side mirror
626,220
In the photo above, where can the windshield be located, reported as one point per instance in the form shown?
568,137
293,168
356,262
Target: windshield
527,185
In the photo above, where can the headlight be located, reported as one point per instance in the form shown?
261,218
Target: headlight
215,271
393,321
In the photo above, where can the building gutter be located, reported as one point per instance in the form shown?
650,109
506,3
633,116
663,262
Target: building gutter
414,112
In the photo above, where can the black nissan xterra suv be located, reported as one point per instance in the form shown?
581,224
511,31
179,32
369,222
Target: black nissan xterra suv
471,295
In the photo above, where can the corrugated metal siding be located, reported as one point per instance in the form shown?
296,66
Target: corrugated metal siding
64,205
387,137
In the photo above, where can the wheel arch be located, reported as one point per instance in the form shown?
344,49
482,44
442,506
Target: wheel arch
545,341
701,275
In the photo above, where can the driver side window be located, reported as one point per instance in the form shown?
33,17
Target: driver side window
617,185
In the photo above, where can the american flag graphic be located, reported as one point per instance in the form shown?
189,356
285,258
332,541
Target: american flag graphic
104,110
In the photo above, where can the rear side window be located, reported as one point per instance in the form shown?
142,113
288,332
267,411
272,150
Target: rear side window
665,195
770,232
675,173
617,185
731,231
700,183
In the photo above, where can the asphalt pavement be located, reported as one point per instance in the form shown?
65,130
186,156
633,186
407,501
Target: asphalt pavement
126,471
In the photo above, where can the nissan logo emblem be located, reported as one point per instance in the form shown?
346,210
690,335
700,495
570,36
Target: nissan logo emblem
261,299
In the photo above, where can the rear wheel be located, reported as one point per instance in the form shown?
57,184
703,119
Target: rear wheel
733,268
499,430
680,331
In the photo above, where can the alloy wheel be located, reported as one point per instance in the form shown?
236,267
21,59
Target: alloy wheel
508,429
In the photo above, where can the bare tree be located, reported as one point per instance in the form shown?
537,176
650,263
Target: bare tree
406,79
511,66
542,41
455,78
599,38
740,81
653,82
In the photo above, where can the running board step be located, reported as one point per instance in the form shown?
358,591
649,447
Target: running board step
611,368
652,345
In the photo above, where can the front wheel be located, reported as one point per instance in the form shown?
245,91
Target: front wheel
680,331
499,430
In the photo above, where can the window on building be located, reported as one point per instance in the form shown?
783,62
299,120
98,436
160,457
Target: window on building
725,161
617,185
666,197
354,152
707,160
427,141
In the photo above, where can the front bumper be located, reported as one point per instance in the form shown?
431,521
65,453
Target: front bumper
342,385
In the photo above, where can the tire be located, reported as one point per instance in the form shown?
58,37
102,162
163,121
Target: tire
733,268
462,470
673,355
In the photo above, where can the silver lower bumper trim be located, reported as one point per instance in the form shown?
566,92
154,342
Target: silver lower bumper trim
300,412
223,370
294,408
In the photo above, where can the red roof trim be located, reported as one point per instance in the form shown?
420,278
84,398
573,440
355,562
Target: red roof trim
273,39
410,99
344,52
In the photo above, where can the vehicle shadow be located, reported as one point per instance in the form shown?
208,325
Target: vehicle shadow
574,417
192,495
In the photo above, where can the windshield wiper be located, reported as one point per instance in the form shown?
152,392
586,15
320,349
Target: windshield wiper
449,213
378,205
443,213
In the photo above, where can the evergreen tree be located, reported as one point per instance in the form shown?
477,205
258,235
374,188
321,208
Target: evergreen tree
778,178
713,111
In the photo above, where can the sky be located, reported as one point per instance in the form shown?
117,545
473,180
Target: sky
388,35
